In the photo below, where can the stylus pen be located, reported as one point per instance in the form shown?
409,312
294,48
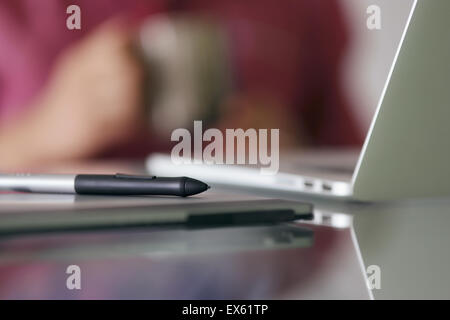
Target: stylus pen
118,184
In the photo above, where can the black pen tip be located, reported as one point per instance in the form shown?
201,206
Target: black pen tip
192,186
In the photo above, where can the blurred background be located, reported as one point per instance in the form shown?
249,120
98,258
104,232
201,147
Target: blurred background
372,51
135,71
138,69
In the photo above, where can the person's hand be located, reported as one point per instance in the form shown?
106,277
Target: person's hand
91,102
94,97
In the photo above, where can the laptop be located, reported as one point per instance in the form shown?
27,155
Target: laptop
406,153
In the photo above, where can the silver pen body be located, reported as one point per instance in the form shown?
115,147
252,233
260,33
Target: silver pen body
40,183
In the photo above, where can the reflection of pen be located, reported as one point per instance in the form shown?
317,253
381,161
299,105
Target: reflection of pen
118,184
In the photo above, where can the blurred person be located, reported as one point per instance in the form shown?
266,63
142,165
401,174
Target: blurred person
79,94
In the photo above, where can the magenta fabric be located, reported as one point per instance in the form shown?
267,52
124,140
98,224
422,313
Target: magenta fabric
33,33
291,49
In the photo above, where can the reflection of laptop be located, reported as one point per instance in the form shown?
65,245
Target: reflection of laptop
407,150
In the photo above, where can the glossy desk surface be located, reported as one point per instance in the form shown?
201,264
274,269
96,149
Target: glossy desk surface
309,260
408,240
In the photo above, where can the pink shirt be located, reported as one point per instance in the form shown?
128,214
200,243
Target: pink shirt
291,49
33,33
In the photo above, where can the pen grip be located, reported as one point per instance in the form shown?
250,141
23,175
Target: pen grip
124,185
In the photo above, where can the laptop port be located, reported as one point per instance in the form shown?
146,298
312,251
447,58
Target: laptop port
326,187
308,184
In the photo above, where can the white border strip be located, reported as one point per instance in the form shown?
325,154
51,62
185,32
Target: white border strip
380,102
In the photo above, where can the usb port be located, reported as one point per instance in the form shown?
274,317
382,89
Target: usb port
308,184
326,187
